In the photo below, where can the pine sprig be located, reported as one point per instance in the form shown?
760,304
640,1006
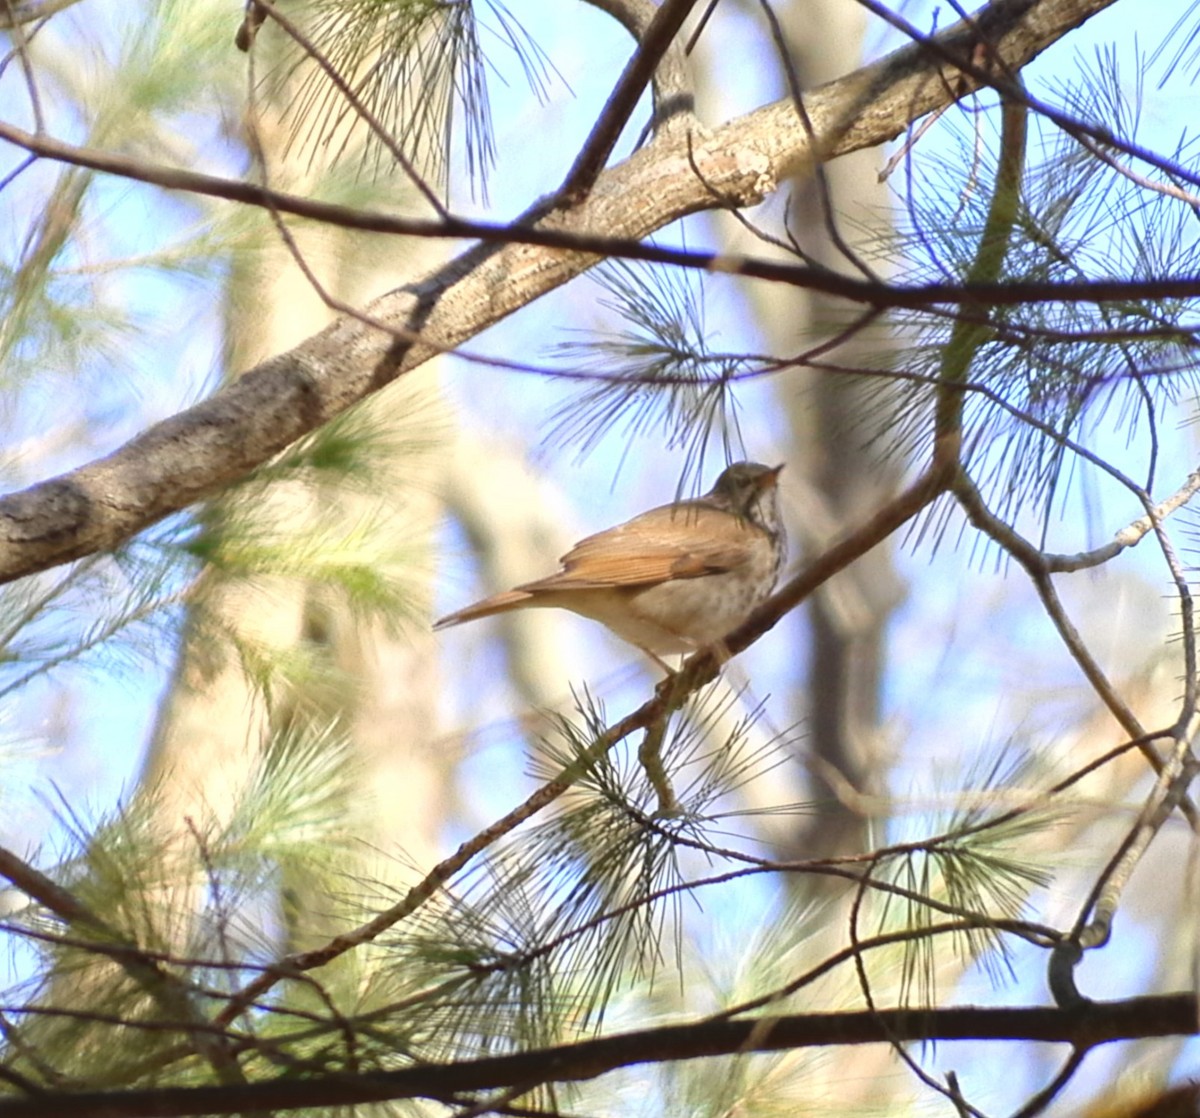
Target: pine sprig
980,867
420,66
359,564
114,612
656,375
609,866
1064,366
463,977
297,799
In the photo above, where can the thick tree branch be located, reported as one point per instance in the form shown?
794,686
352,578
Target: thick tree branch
1093,1024
195,453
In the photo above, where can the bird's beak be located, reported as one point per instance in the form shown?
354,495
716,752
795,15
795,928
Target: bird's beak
771,478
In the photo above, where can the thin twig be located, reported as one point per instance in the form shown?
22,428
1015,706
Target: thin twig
894,1039
817,161
170,992
1050,1092
356,103
656,43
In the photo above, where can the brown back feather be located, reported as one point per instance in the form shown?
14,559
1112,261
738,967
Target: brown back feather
663,543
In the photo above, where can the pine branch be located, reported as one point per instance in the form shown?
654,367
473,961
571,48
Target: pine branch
192,455
171,993
700,669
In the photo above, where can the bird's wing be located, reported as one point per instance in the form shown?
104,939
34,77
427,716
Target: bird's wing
661,544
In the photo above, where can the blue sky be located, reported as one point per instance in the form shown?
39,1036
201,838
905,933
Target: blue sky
86,732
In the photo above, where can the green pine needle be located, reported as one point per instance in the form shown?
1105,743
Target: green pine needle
656,376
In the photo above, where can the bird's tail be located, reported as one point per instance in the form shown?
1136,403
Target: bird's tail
497,603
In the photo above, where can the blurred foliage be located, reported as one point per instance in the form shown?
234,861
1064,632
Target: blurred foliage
598,911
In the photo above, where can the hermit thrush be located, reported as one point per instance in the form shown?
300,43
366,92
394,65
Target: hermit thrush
674,579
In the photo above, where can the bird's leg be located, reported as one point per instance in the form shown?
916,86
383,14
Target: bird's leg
659,661
721,653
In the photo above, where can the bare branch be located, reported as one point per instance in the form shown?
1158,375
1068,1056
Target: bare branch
1130,535
1099,1023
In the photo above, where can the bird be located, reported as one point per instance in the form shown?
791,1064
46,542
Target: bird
672,580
